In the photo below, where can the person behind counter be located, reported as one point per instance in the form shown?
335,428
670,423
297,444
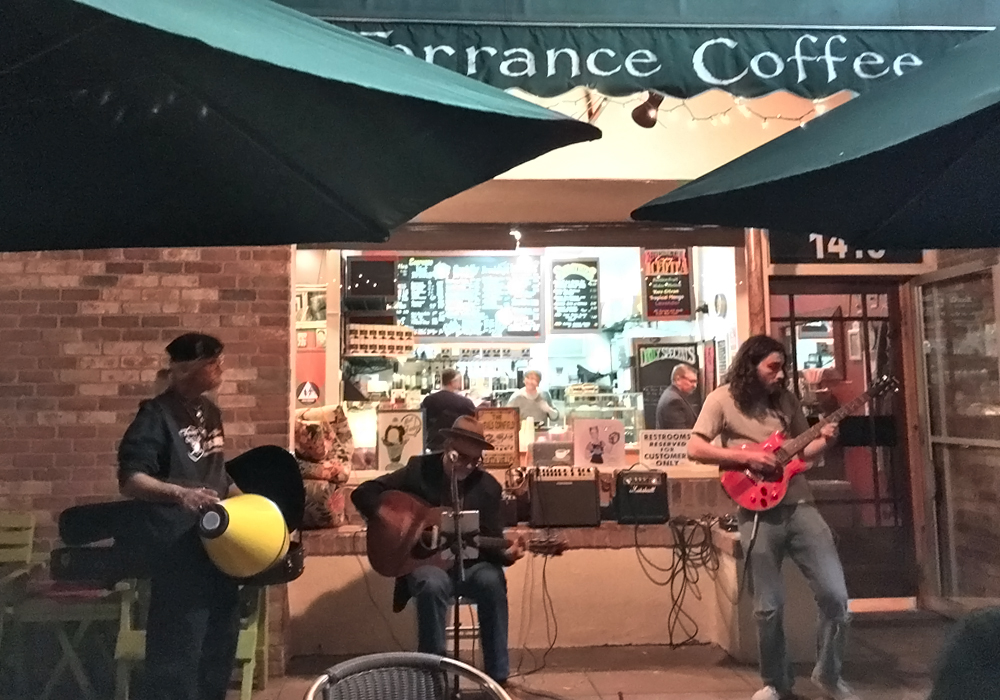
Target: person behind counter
674,410
442,408
531,402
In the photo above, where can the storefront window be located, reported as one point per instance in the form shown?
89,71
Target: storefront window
578,317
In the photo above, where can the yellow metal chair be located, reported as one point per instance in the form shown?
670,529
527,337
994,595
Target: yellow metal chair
17,538
130,648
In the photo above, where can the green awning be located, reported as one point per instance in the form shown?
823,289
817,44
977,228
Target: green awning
682,61
233,122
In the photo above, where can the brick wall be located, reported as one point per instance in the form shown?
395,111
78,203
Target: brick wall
950,258
82,334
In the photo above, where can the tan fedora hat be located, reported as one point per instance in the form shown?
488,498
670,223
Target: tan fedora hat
468,428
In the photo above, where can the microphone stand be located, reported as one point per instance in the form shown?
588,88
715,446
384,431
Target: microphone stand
457,546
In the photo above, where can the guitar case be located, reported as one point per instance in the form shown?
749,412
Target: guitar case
102,545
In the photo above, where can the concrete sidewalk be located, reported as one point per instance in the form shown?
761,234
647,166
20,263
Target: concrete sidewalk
890,658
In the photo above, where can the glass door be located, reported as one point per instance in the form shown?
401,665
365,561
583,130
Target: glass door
961,392
842,336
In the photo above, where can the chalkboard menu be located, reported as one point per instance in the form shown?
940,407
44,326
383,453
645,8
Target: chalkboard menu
575,303
471,297
666,284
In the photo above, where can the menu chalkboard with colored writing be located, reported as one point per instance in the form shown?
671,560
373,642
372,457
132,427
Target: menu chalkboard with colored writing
575,301
471,297
666,284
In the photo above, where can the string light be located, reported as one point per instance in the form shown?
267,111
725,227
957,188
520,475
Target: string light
650,111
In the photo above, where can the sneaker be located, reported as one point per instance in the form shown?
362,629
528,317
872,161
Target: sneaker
769,692
838,691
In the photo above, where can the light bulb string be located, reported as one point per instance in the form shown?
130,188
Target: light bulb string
584,108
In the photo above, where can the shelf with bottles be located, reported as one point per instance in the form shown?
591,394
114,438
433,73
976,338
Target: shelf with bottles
484,371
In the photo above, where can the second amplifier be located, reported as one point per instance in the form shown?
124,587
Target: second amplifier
641,498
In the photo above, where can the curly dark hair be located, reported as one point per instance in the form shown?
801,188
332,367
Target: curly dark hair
398,429
744,383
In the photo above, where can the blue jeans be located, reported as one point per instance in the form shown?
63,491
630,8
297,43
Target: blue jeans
799,532
485,583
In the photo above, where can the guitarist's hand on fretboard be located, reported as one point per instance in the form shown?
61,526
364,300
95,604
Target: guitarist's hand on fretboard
515,551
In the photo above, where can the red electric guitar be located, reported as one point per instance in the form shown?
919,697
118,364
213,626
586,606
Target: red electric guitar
752,490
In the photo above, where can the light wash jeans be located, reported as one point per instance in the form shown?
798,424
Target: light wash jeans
799,532
485,583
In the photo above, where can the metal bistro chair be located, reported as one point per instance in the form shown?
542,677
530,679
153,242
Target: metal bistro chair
401,676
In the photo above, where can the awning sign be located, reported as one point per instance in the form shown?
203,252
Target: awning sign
548,60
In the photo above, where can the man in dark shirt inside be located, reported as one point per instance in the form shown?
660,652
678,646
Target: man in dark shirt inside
442,408
674,410
170,461
428,477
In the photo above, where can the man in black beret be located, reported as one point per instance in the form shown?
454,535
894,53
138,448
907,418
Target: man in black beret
171,460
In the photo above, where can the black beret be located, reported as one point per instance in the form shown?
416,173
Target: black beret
194,346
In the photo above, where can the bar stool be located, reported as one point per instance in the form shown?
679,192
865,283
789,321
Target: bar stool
469,629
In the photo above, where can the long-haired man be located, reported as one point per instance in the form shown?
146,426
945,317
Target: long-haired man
754,403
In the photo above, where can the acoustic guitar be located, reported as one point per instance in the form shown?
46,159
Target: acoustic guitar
754,490
405,535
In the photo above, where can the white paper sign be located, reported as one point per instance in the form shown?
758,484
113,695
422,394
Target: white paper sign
663,448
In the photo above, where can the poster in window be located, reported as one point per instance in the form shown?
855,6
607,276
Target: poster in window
599,442
400,437
666,274
502,427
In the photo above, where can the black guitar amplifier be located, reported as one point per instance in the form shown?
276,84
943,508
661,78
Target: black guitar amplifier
564,497
641,498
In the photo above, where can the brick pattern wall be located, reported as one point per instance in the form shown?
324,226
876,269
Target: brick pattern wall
82,334
950,258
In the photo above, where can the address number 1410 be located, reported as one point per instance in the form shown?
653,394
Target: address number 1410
837,247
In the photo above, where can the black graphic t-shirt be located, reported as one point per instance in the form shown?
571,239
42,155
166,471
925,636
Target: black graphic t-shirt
180,442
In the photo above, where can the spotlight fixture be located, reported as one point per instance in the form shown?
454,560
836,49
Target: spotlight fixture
645,114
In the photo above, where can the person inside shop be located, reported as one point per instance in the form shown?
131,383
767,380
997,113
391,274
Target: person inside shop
428,477
754,403
442,407
532,402
171,460
674,410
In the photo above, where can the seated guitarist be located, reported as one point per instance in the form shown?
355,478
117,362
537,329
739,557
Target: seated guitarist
429,478
753,404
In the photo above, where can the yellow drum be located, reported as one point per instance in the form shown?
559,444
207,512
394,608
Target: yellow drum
244,535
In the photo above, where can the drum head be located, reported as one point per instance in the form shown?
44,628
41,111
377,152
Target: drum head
272,472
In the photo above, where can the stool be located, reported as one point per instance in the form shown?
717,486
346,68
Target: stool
469,629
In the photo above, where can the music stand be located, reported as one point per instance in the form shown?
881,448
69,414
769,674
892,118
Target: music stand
455,524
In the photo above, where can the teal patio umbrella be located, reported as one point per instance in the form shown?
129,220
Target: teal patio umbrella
233,122
913,164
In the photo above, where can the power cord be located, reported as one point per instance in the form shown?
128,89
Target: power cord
691,552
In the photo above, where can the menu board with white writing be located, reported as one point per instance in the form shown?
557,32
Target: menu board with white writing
575,302
471,297
666,284
501,426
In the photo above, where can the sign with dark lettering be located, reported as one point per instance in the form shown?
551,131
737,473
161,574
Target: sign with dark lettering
471,297
502,428
790,249
575,300
666,284
550,59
